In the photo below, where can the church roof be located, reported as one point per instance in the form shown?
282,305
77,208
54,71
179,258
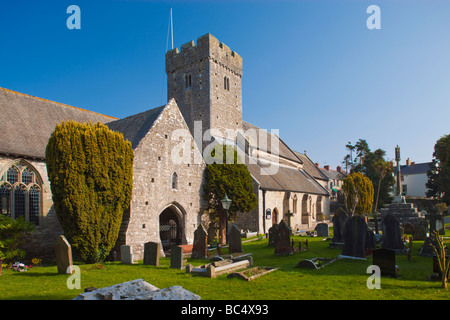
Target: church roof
28,121
135,127
283,150
310,167
285,179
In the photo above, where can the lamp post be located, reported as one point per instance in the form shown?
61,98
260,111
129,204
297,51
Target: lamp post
226,204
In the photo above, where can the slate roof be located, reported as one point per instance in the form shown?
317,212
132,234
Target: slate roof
311,167
418,168
135,127
286,179
333,174
284,151
27,122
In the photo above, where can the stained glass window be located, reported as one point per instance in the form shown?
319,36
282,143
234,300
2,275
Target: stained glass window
33,204
20,196
27,176
12,176
19,201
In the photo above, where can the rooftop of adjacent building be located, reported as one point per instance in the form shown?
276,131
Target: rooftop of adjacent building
411,167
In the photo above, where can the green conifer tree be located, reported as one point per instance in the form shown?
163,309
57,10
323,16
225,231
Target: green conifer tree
90,169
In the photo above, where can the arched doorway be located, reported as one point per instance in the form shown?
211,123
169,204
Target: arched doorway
274,216
170,227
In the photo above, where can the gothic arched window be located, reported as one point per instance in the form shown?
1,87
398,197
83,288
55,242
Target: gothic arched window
20,191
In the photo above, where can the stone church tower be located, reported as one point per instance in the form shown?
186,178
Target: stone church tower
205,80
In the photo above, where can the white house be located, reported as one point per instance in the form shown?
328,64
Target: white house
413,178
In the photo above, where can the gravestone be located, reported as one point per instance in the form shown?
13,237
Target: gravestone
212,233
126,254
436,223
322,230
392,238
355,236
284,243
152,252
200,247
385,259
63,251
234,240
274,235
176,257
339,220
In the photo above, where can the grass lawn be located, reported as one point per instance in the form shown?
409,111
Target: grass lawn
342,279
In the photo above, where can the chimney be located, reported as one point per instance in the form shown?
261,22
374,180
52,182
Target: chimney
338,169
327,167
317,164
408,162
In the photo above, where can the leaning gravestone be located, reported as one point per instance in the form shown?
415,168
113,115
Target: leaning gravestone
392,238
126,254
152,253
385,260
200,246
176,257
274,235
234,240
322,230
355,237
63,251
284,243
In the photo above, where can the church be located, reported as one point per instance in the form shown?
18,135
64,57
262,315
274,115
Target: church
204,106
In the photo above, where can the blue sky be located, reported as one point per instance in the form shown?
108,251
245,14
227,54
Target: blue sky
312,69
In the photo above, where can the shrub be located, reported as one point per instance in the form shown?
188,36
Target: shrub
90,170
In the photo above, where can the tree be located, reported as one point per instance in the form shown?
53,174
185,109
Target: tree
375,167
233,179
439,174
13,232
443,261
91,175
358,192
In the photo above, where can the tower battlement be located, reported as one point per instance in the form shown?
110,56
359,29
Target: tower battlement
208,47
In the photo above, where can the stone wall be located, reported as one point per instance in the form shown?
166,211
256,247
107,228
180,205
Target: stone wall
156,159
206,98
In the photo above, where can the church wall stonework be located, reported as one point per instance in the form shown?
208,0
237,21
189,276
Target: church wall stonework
152,183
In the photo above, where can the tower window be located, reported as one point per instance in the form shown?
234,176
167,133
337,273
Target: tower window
187,81
174,181
226,83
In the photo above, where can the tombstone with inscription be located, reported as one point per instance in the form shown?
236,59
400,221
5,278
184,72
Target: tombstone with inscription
392,238
200,246
152,252
355,236
284,243
385,260
234,240
274,235
176,257
322,230
63,251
